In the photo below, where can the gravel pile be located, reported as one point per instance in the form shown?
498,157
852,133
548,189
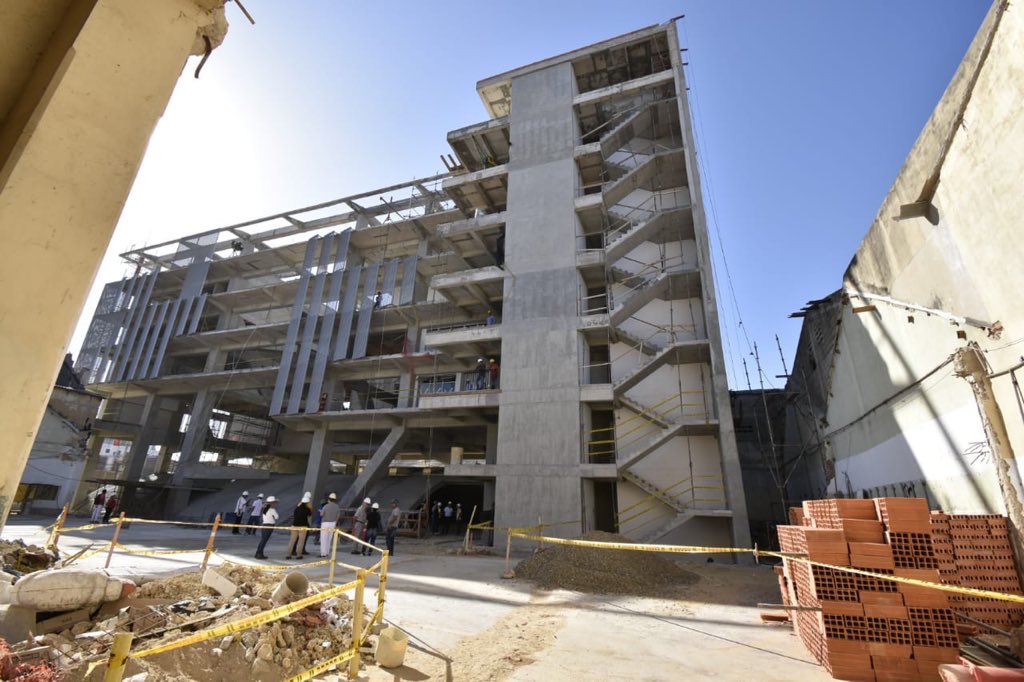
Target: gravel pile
603,571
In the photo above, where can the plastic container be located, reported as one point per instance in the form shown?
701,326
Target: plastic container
391,644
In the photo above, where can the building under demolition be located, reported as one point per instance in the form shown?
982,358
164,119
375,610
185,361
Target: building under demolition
533,332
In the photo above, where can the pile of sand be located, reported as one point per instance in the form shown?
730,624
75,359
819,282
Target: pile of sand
589,569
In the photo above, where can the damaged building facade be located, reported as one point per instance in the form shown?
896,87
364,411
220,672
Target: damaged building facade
533,333
884,411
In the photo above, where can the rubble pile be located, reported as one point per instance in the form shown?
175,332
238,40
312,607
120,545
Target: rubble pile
590,569
18,558
165,610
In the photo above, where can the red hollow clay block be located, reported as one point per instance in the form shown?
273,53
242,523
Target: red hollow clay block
872,561
936,654
885,598
885,611
890,650
931,599
854,674
890,663
846,646
871,549
841,608
830,559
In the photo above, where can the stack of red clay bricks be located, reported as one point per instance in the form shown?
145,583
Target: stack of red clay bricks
868,628
975,551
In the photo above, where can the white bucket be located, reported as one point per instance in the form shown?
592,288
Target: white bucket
391,645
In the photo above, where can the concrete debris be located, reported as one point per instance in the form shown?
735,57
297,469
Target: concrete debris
218,583
18,558
67,589
589,569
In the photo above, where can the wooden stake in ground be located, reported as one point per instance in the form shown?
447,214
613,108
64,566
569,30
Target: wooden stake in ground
209,543
357,623
113,542
508,551
334,557
469,529
55,534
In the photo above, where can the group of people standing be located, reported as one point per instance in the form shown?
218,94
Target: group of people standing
367,523
444,519
487,374
103,506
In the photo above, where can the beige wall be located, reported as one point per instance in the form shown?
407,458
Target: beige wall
971,265
80,97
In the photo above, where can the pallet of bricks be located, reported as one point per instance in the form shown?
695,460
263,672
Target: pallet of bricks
975,551
864,627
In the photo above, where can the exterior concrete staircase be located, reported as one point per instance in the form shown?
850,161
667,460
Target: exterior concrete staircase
617,190
669,526
627,240
654,491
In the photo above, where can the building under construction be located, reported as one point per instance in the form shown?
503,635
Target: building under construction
533,332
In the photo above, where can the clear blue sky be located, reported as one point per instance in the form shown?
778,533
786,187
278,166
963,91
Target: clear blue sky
805,111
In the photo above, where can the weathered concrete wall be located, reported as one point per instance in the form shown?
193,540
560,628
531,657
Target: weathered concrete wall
538,430
966,264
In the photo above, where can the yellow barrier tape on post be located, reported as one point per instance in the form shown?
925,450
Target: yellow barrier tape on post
246,623
88,526
323,667
689,549
156,552
271,567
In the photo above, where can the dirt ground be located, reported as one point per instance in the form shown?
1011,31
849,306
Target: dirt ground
469,624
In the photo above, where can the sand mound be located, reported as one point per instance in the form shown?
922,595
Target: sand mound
589,569
251,581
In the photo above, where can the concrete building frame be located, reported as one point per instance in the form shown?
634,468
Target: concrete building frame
361,341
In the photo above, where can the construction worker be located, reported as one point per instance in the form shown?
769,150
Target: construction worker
329,516
300,521
240,505
98,505
255,515
359,523
492,370
109,506
435,518
481,374
394,519
459,518
446,520
270,517
491,319
372,527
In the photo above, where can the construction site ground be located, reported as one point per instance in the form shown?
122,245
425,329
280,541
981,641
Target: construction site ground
497,629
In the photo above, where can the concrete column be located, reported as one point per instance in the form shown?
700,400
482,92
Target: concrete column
85,82
406,385
83,487
491,452
191,448
538,462
319,463
140,447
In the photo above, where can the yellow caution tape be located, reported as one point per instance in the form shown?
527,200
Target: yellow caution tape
246,623
323,667
689,549
89,526
155,552
272,567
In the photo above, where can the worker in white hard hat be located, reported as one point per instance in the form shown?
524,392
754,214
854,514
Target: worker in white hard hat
300,521
255,515
240,505
270,517
359,523
481,374
329,515
372,527
446,519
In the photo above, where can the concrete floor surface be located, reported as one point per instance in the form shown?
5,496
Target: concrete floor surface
496,629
